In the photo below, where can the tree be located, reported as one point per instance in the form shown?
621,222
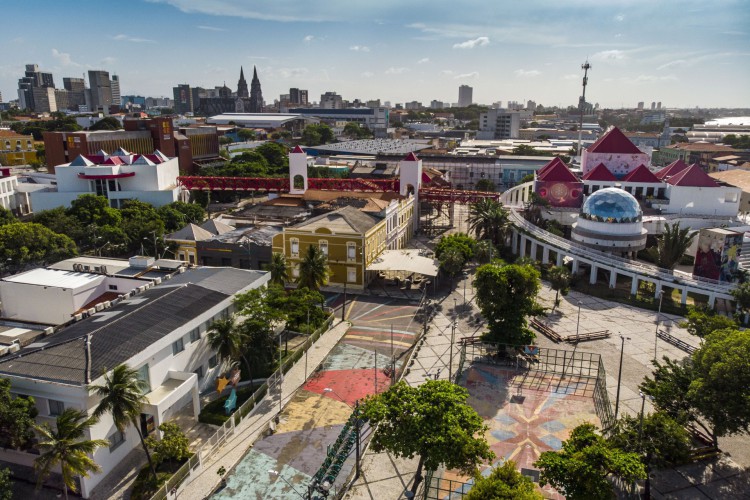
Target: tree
503,483
6,485
276,155
432,421
178,213
660,440
489,220
16,419
6,216
141,224
451,262
559,280
302,309
173,446
460,241
741,295
258,326
66,446
123,396
92,209
485,185
246,134
701,321
316,134
354,130
225,139
671,246
107,123
313,269
59,221
506,294
24,244
581,469
485,252
226,340
278,269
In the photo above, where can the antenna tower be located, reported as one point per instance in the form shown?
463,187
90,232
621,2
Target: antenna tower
585,67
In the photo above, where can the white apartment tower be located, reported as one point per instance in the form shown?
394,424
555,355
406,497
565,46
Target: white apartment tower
465,96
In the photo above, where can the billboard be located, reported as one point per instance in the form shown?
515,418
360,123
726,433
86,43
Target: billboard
718,255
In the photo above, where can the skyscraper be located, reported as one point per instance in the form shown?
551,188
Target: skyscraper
183,99
242,85
465,96
256,96
114,84
101,90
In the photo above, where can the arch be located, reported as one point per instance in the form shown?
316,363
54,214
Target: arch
298,182
410,189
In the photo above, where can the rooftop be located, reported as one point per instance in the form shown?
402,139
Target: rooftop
375,146
735,177
614,141
346,219
54,278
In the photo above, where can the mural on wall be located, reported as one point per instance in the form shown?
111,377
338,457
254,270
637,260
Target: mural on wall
560,194
718,255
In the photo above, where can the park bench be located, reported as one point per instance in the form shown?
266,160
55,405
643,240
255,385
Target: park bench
547,331
680,344
583,337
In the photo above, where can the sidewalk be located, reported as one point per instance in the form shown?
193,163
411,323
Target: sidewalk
206,482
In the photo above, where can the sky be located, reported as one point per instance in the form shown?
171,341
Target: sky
683,53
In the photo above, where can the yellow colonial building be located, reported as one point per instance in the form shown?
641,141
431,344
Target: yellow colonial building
16,149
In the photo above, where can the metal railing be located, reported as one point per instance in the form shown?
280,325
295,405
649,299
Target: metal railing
170,488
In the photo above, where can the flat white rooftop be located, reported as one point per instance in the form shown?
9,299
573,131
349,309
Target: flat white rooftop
54,278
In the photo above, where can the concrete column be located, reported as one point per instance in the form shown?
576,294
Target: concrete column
712,301
634,286
522,249
683,296
196,401
613,278
559,261
592,277
575,266
533,249
513,241
545,254
657,290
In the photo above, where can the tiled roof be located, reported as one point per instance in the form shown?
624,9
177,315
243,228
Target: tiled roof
556,171
671,169
215,227
735,177
613,141
357,220
191,232
641,174
411,157
599,173
693,176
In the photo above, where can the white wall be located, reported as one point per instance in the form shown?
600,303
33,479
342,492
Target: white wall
35,303
721,200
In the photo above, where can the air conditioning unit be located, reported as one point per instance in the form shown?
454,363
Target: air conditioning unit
49,330
91,311
99,306
167,277
14,347
78,317
157,281
3,350
107,303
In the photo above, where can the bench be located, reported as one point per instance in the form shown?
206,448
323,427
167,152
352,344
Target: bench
680,344
583,337
547,331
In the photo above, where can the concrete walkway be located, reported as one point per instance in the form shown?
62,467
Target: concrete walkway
227,456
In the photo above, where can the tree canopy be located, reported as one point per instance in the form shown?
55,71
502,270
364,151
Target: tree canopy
24,244
503,483
432,421
559,279
17,416
581,469
661,440
488,219
506,295
354,130
107,123
671,245
701,321
316,134
173,446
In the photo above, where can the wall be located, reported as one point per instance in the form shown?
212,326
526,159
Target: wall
50,305
703,200
618,164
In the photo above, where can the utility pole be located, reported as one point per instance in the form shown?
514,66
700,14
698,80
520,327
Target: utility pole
585,67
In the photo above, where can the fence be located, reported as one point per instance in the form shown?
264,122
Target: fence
437,488
169,489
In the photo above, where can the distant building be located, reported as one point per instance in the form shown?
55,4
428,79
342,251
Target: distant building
242,85
465,96
298,97
413,105
691,152
376,119
101,91
115,86
16,149
437,104
499,124
331,100
183,99
256,96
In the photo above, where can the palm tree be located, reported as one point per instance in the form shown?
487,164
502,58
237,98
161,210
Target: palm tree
559,278
313,270
671,246
122,395
65,445
227,341
278,269
489,220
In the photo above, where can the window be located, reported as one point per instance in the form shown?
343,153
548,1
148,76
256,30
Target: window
199,372
115,440
56,407
295,272
295,247
351,274
178,346
351,251
213,361
113,287
323,247
195,335
143,376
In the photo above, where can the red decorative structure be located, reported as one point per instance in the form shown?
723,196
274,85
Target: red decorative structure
106,176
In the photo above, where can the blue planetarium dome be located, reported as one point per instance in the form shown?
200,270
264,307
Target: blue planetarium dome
612,205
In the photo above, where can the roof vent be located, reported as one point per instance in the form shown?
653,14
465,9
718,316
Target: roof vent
14,347
49,330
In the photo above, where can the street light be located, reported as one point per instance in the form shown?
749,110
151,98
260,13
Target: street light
658,315
619,375
278,474
453,338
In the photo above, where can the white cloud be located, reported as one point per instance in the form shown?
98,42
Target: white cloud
63,58
396,71
368,74
447,72
620,18
530,73
610,55
570,76
107,61
210,28
424,60
462,76
309,39
654,78
470,44
128,38
359,48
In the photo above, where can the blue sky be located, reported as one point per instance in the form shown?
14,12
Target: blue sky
684,53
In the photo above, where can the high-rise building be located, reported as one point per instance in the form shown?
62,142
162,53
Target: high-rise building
331,100
653,105
530,105
101,90
298,96
658,105
436,104
499,124
256,95
114,84
242,85
183,99
465,96
640,106
36,86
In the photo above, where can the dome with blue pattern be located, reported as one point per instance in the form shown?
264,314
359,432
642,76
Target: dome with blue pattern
612,205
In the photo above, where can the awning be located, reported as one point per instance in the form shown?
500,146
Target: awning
410,260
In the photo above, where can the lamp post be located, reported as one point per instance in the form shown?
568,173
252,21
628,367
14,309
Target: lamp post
619,375
281,378
278,474
343,306
658,315
453,338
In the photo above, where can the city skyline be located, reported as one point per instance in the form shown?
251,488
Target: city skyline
683,54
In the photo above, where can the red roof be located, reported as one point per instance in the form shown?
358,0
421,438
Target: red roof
641,174
693,176
113,160
614,141
556,171
599,173
411,157
671,169
298,149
